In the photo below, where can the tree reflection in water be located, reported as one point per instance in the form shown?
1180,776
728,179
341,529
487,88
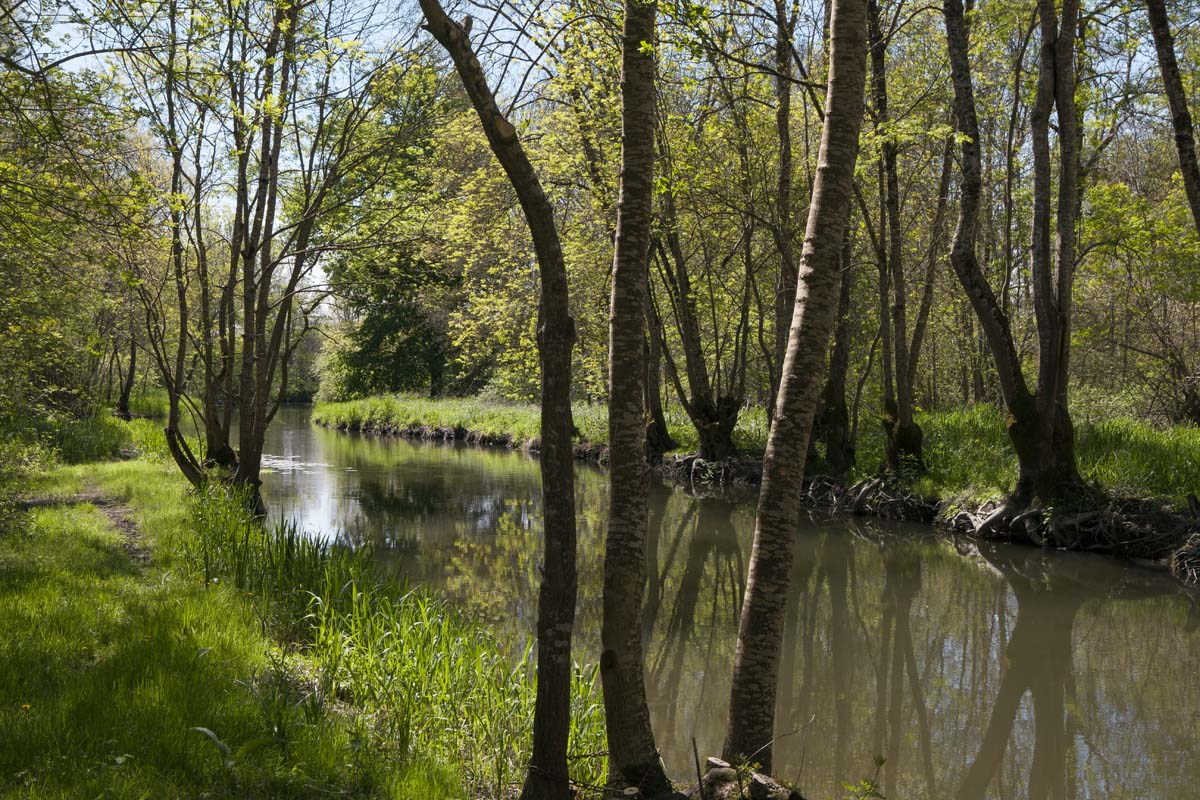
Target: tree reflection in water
1002,673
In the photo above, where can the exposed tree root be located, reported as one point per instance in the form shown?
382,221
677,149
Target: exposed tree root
1093,521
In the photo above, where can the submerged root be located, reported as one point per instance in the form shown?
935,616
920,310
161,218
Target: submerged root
885,496
1093,521
1185,561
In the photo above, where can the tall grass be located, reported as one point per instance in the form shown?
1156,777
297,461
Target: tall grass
149,403
968,453
1134,457
432,682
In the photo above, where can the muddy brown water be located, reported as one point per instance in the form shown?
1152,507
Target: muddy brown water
1005,673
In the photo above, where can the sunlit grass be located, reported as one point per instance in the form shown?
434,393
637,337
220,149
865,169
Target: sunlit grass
518,421
150,402
310,672
968,453
967,450
435,683
106,670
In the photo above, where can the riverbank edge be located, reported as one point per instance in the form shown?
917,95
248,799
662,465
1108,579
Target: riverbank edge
1135,529
740,473
164,542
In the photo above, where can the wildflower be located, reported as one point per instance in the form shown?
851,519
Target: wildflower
26,707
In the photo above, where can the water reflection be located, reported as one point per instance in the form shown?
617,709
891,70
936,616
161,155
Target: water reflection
998,673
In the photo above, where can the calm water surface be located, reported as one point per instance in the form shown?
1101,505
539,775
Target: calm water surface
1005,674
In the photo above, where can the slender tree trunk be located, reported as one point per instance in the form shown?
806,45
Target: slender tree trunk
785,291
633,757
936,242
658,435
835,417
1181,117
904,436
713,414
548,774
130,375
756,664
1023,426
1053,260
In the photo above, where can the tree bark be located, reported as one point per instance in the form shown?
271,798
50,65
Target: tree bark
130,375
633,757
658,434
756,663
1053,260
1181,117
548,773
835,416
904,436
1025,427
785,291
936,237
713,414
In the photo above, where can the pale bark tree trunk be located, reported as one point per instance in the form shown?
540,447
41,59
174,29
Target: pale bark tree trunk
756,663
548,773
633,757
1181,117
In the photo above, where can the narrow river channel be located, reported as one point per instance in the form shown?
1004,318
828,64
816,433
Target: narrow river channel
1007,674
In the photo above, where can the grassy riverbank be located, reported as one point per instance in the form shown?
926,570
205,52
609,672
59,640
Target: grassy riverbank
967,450
519,422
158,644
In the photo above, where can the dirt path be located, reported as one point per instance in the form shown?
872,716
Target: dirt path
117,512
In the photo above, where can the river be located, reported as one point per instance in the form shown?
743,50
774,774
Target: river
1002,672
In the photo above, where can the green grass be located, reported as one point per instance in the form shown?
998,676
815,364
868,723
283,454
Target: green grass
967,450
520,421
106,671
150,403
968,455
310,673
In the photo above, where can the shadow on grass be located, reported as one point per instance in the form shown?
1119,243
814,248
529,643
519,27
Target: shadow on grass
106,672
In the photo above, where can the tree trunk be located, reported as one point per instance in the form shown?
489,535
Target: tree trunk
935,250
548,773
130,375
1181,117
1053,267
633,757
785,291
1025,427
756,663
714,415
658,435
904,436
835,417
